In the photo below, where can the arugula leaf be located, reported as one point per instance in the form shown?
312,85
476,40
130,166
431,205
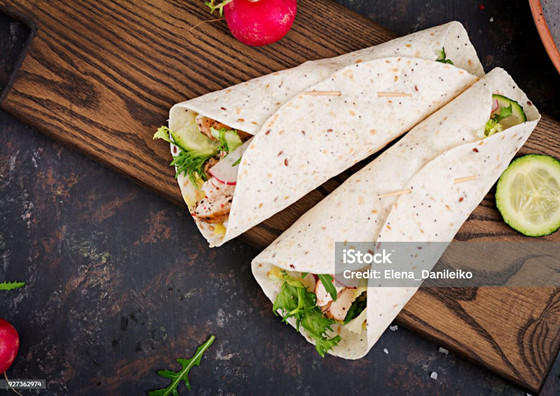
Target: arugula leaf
356,308
304,274
442,57
493,125
181,375
11,285
296,302
189,163
327,281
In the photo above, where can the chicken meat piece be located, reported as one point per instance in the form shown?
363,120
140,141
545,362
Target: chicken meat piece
338,309
215,206
205,124
323,296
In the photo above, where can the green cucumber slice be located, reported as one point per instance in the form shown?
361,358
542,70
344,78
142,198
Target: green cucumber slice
233,140
518,115
528,195
230,138
188,138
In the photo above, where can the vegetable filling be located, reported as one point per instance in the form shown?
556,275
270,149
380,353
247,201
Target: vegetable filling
506,113
208,153
317,304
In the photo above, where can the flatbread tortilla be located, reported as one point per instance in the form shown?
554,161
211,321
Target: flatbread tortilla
448,145
302,139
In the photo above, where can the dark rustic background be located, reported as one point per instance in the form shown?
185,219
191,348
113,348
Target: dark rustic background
120,282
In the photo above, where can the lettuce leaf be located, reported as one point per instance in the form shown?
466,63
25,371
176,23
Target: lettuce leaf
294,301
442,57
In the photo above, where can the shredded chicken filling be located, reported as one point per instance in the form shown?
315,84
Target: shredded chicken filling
215,205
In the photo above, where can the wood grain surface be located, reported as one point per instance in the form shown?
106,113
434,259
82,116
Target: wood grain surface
100,76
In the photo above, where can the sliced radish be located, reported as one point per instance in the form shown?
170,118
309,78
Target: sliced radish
309,282
226,170
348,283
495,105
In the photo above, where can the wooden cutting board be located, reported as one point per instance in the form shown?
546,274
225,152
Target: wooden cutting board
100,76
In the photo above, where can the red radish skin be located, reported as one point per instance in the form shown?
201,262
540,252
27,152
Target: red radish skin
260,22
222,181
224,171
340,281
9,345
495,105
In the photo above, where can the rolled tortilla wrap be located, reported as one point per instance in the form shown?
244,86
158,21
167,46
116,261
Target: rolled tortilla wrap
448,145
305,139
247,106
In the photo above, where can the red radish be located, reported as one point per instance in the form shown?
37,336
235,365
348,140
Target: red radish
9,345
495,105
309,282
226,170
340,281
257,22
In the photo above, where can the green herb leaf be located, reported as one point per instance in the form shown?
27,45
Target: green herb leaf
356,308
163,133
223,142
11,285
229,139
493,124
294,301
220,134
189,163
505,112
442,57
181,375
237,162
304,274
327,282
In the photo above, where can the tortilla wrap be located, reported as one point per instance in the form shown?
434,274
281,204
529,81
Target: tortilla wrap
448,145
303,140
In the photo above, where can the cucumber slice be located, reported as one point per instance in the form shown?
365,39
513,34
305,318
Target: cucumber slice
230,138
528,195
233,140
188,138
518,115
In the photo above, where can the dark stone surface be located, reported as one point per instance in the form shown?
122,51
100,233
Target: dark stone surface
120,282
503,33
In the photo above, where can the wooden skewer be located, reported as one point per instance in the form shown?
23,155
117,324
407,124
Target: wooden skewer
464,179
408,190
323,93
392,194
393,94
